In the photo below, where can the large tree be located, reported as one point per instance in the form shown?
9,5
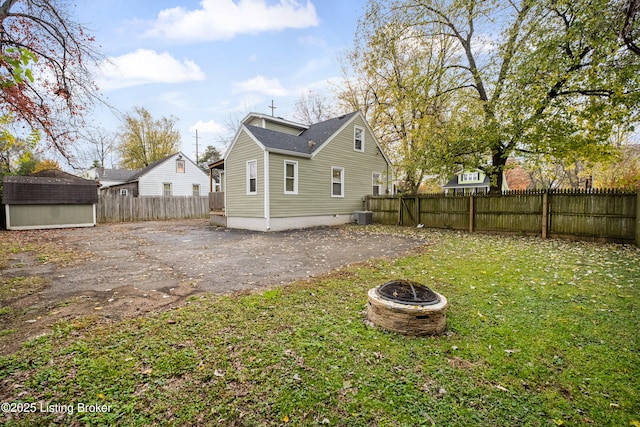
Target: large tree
539,77
398,78
46,60
143,139
211,154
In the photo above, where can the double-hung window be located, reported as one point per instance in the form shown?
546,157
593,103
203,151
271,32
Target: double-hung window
290,177
337,182
166,189
377,184
470,176
252,177
358,139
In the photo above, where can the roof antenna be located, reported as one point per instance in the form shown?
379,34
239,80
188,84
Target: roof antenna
273,108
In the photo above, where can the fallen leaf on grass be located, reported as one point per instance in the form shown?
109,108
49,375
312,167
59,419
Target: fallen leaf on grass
218,373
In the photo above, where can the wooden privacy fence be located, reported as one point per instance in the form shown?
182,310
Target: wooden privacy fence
597,214
216,201
147,208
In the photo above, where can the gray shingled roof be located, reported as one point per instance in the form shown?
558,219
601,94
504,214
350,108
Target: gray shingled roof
115,174
318,133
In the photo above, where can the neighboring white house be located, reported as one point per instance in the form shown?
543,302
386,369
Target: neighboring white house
281,175
109,177
175,175
470,182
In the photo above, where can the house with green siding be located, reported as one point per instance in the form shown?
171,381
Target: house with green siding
283,175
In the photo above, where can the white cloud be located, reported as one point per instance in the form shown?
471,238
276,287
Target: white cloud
224,19
207,127
260,84
146,66
312,41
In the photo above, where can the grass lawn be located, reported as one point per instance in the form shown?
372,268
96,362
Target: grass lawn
539,333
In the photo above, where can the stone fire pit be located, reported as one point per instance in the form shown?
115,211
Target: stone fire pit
408,308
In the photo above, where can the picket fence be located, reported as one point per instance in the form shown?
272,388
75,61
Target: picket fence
148,208
604,215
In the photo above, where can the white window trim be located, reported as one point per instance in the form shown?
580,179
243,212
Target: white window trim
248,180
193,188
470,177
170,189
333,168
355,129
374,184
295,176
124,192
181,162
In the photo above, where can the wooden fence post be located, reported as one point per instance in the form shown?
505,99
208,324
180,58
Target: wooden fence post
471,213
545,213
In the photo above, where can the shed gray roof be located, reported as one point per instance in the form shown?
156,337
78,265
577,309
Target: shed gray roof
318,133
58,188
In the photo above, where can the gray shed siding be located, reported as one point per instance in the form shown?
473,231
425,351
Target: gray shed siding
50,216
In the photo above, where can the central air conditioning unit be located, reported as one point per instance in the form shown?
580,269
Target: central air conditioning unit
363,217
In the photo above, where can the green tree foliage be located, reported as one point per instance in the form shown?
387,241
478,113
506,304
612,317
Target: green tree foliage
525,78
143,139
398,78
211,154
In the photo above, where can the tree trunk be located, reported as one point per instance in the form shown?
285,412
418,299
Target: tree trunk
499,162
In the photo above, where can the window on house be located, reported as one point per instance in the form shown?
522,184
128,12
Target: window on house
166,189
337,182
290,177
377,184
196,190
180,165
358,138
124,192
252,177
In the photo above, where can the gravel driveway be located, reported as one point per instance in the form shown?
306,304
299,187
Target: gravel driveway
159,255
136,267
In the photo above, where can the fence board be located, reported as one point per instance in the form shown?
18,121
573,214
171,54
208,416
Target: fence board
600,214
216,201
114,208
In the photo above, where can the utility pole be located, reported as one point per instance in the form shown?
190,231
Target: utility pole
196,146
273,108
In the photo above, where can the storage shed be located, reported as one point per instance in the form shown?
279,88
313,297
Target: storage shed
49,199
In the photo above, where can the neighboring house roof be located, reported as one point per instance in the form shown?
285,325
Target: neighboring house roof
453,183
304,144
114,174
48,187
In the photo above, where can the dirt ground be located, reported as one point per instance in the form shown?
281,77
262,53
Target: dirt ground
124,270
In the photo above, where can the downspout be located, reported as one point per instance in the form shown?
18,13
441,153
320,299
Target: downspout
267,205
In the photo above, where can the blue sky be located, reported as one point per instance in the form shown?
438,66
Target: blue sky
206,61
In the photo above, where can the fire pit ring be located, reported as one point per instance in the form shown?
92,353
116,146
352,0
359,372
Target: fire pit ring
408,308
